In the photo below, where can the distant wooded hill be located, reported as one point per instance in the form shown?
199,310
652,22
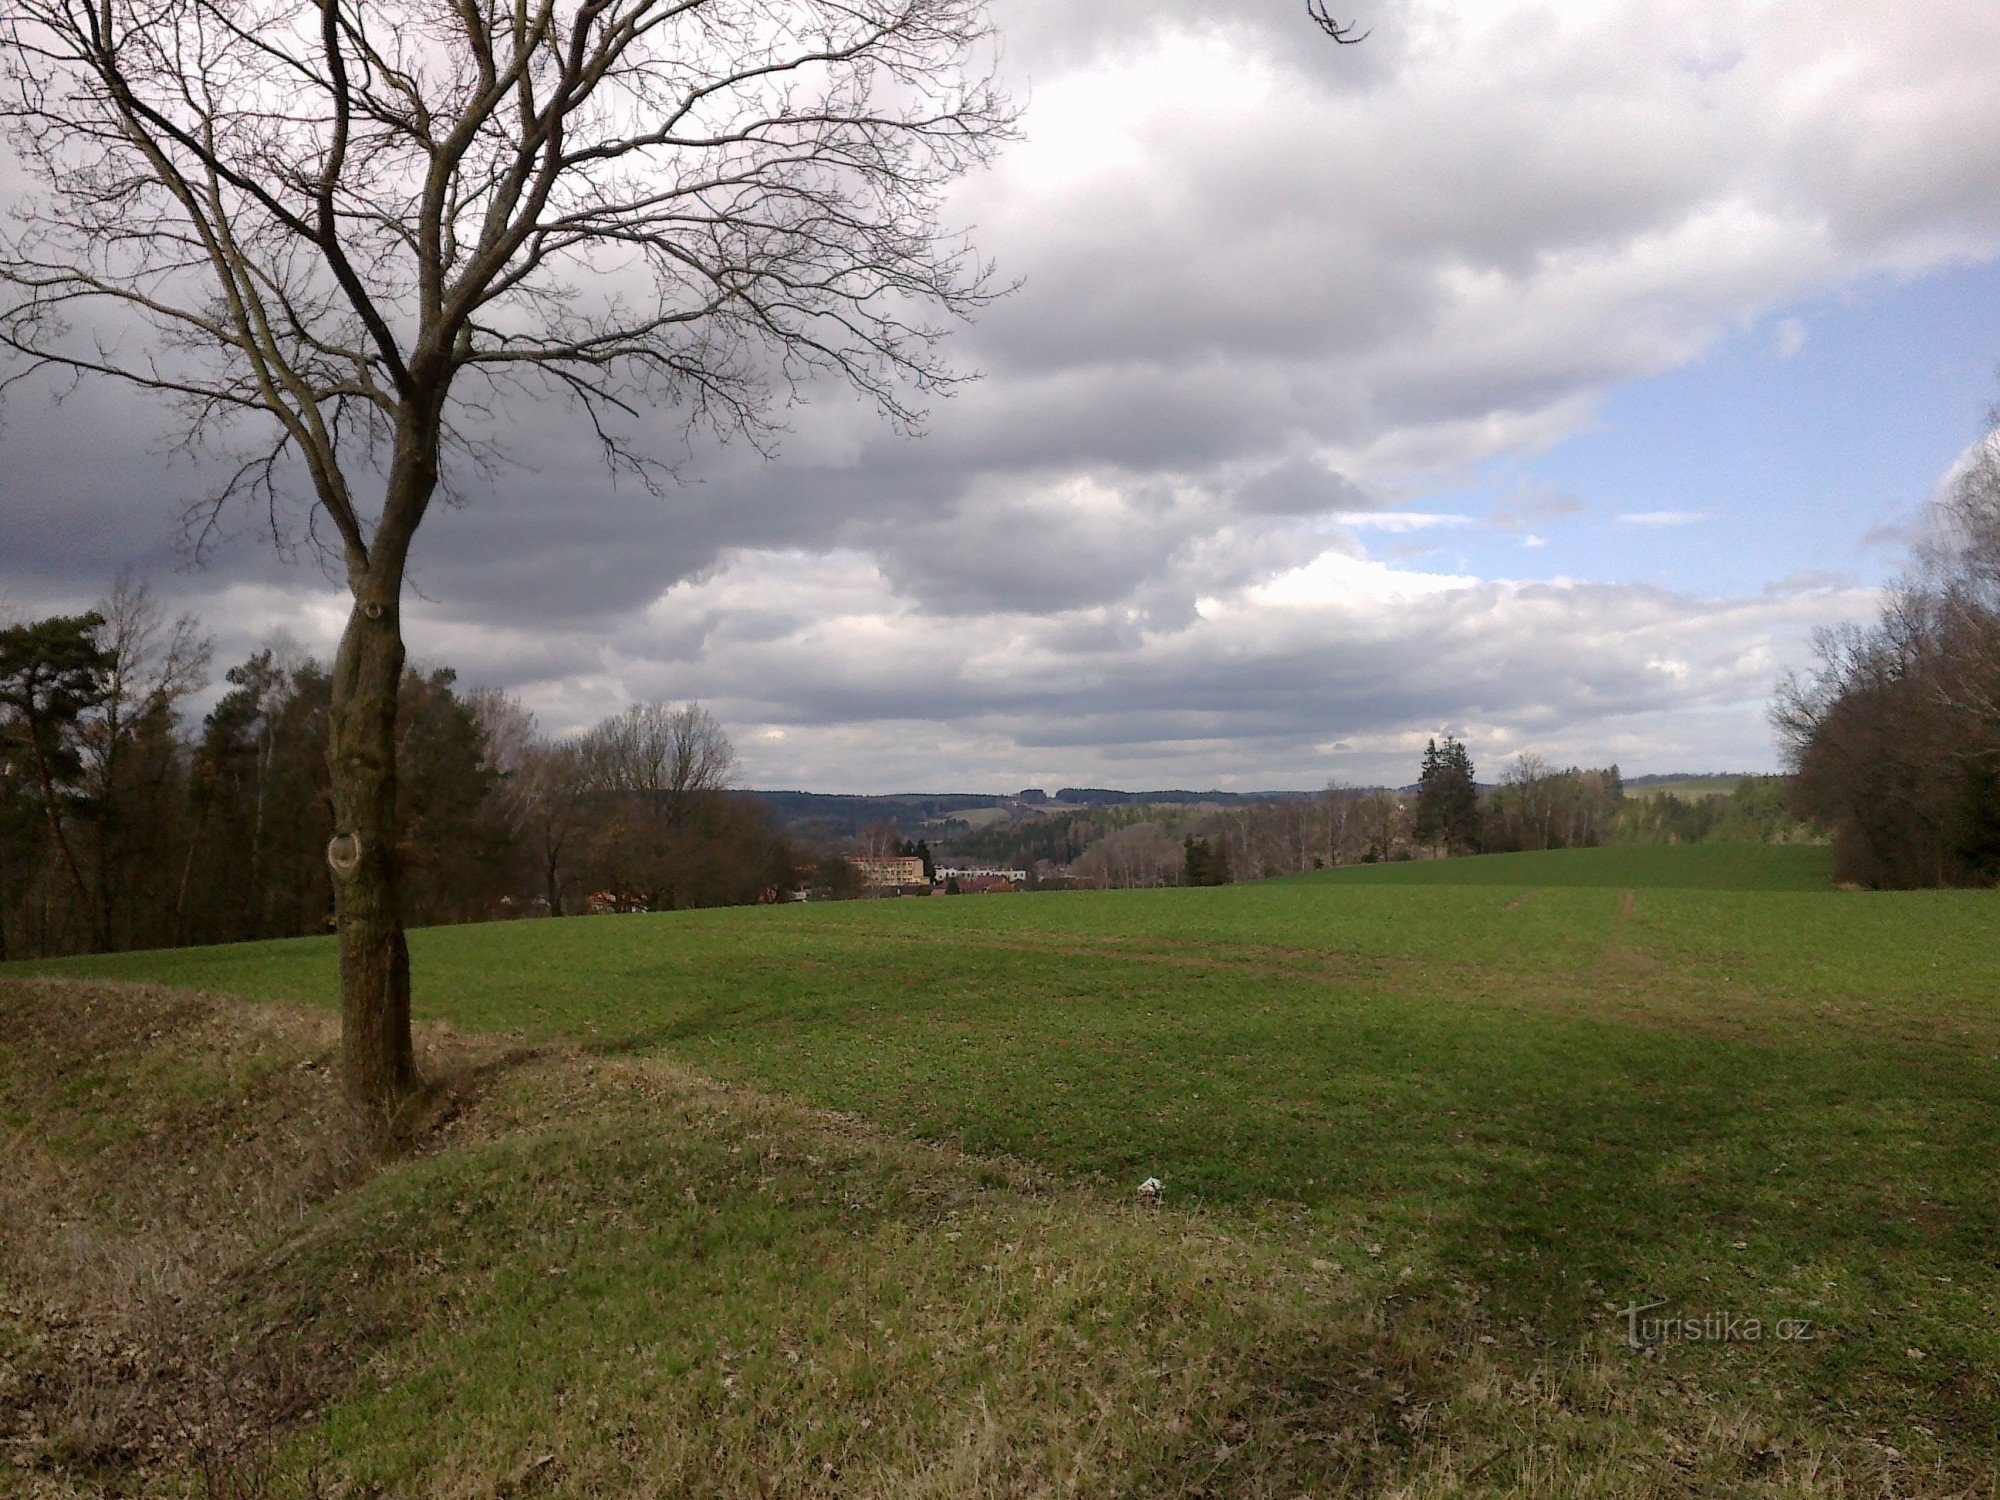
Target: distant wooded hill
942,812
928,813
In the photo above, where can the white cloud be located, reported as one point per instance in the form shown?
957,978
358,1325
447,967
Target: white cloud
828,677
1397,521
1662,518
1335,580
1277,296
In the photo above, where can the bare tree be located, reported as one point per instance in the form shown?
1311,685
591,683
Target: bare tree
508,729
350,230
879,840
658,773
670,757
1342,804
546,798
1958,577
1384,825
155,664
542,785
1138,856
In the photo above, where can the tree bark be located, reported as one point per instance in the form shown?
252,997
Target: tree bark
378,1065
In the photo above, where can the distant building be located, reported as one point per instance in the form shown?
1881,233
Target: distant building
1016,877
897,870
984,885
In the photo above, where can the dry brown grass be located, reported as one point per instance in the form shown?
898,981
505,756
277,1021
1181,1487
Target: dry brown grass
155,1141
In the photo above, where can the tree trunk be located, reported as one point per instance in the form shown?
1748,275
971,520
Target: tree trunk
377,1060
553,882
48,786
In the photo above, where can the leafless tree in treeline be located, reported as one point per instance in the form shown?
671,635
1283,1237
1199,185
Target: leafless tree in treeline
1384,826
1294,834
1537,806
670,757
551,798
344,234
879,840
1894,735
1138,856
540,791
93,773
507,730
1257,839
132,763
1337,804
658,827
1959,575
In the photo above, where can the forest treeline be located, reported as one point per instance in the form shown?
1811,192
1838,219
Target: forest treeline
125,823
1894,735
1535,805
122,825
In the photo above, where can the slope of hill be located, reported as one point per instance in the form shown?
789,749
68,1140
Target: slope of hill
839,1199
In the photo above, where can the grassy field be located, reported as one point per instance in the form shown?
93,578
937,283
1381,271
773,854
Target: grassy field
839,1199
1692,788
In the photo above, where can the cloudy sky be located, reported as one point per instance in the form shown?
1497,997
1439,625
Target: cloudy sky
1542,373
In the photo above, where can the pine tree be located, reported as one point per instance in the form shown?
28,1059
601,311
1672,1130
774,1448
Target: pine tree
1203,862
1447,811
1427,821
52,673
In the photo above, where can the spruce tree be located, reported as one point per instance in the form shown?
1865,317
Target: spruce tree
1447,810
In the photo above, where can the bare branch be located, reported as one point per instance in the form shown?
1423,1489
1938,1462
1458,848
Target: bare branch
1345,35
324,213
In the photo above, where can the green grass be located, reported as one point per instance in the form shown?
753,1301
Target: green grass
1712,867
1505,1096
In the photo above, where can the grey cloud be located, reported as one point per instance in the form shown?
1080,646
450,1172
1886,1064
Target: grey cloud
1299,486
994,557
1322,276
1895,534
1523,662
1053,36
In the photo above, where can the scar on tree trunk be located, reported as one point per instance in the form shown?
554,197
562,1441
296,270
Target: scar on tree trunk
377,1062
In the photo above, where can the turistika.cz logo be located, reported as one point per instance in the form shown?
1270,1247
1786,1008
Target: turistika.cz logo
1642,1332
